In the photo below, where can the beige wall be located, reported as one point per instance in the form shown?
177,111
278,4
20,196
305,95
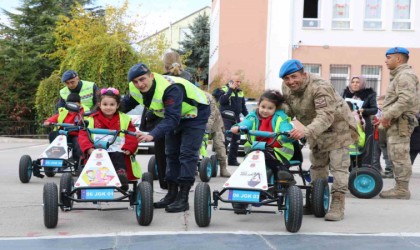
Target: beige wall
242,41
353,56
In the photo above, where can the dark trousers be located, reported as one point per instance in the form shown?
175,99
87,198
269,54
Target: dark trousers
118,160
181,150
161,162
234,142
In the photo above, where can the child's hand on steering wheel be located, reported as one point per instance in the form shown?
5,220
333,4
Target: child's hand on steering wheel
234,130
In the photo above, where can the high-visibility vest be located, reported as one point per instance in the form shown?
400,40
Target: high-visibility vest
162,83
86,94
356,149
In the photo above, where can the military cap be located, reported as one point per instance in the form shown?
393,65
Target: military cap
397,50
289,67
137,70
69,74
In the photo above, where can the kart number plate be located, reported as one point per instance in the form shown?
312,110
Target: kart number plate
244,195
52,163
98,194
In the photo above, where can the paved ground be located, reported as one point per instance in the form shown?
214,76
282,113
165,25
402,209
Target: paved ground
369,224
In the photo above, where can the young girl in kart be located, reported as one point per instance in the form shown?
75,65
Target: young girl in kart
271,118
108,117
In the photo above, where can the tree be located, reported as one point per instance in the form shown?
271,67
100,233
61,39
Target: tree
195,48
25,42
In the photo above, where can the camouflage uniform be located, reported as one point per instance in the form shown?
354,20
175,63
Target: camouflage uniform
215,129
401,106
330,129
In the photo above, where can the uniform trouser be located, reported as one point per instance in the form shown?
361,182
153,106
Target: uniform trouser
337,161
399,155
181,150
161,162
219,146
234,141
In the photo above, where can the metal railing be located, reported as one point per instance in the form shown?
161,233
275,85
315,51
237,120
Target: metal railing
24,129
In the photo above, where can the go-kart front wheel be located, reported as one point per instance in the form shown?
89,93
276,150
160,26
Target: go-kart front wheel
202,204
294,209
144,207
205,170
25,168
320,197
365,182
214,165
152,167
50,198
66,186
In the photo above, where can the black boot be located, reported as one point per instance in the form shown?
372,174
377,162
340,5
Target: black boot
181,202
169,197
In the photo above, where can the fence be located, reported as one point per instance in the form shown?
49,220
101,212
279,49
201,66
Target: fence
31,129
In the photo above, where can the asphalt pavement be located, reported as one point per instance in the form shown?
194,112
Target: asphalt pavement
369,223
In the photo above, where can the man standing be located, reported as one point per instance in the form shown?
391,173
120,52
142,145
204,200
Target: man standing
86,90
185,111
398,118
328,126
231,98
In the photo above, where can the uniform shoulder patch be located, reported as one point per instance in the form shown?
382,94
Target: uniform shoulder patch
320,102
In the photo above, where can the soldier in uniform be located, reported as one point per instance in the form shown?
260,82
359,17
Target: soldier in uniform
215,129
327,124
398,119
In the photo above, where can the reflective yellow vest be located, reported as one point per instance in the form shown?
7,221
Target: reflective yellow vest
240,93
86,94
287,149
162,83
356,150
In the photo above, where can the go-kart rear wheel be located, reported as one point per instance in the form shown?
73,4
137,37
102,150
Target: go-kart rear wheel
205,169
294,209
152,167
144,207
50,198
147,177
202,204
49,172
66,186
25,168
320,197
214,165
365,182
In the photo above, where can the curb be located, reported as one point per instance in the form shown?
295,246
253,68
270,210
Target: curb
20,140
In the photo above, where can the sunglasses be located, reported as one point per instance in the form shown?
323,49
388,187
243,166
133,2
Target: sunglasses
110,90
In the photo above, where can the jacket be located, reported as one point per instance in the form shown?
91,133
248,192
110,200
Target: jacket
232,100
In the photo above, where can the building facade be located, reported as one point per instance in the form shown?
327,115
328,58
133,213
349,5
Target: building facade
335,39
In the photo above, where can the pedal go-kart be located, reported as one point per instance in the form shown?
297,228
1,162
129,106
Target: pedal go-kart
248,188
365,182
207,166
98,183
56,158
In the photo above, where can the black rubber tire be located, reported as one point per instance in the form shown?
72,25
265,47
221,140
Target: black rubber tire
294,209
147,177
25,169
320,197
144,207
152,167
49,172
66,186
214,165
365,182
203,170
202,204
50,199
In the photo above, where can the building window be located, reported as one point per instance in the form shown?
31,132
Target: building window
341,14
311,14
402,15
373,15
312,68
339,76
372,75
